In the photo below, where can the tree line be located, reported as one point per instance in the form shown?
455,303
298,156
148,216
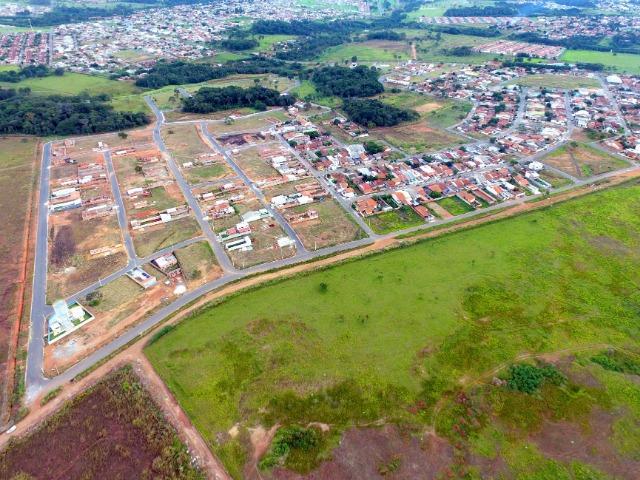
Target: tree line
31,71
178,73
207,100
22,112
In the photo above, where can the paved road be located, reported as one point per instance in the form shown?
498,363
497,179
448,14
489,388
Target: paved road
36,383
39,310
221,256
122,217
256,191
345,204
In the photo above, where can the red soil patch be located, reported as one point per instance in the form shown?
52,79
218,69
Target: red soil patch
113,431
565,441
364,452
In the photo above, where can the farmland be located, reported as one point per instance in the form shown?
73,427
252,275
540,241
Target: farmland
17,177
112,430
381,340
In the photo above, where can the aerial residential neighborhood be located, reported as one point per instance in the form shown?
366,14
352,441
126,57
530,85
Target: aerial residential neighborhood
320,240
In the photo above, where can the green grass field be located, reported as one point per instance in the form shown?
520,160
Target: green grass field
399,329
307,91
623,62
369,51
566,82
74,83
394,220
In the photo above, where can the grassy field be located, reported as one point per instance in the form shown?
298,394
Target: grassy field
113,430
428,133
566,82
394,220
582,160
454,206
74,83
369,51
158,238
307,91
380,336
437,51
623,62
17,178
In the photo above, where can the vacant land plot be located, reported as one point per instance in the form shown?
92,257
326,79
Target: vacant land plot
71,239
17,179
162,236
417,137
566,82
184,142
253,123
307,91
394,220
198,263
382,340
429,132
113,430
623,62
332,227
582,160
252,162
369,51
454,206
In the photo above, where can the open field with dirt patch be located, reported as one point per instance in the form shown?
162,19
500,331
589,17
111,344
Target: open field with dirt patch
117,306
254,123
18,170
383,339
428,133
198,264
582,160
394,220
156,238
332,227
113,430
71,240
369,51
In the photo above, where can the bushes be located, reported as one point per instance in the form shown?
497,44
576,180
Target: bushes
288,439
527,378
615,361
238,44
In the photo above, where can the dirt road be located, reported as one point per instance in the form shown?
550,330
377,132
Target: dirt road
134,354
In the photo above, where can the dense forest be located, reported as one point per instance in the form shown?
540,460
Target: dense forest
31,71
344,82
207,100
21,112
178,73
386,35
374,113
237,44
